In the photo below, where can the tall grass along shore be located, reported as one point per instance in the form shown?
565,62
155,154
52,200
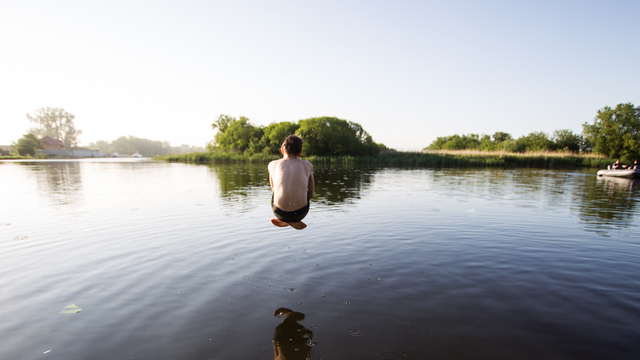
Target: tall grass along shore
439,158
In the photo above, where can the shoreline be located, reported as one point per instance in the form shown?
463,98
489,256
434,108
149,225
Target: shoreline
445,159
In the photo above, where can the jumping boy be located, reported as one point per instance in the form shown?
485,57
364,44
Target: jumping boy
292,184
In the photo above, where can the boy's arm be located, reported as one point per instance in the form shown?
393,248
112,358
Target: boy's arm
270,167
311,187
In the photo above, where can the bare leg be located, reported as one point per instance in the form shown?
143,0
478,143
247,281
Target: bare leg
279,223
298,225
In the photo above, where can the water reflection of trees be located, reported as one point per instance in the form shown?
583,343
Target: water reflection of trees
343,184
334,185
60,181
545,186
240,181
601,202
608,202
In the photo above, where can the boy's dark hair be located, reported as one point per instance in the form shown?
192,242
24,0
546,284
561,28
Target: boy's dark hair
292,145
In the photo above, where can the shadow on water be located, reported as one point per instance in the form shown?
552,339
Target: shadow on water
291,341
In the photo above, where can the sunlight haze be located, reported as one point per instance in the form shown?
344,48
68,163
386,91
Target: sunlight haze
407,71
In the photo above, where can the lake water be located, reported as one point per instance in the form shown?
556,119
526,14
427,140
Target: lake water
180,261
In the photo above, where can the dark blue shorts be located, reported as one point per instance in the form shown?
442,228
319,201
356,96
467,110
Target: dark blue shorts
290,216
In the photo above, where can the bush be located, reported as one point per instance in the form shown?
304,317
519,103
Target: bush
27,145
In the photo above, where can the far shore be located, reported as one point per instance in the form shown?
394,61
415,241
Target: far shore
439,158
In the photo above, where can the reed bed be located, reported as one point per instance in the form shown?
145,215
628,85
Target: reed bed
217,157
440,159
16,157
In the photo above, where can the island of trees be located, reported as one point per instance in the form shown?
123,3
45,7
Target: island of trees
323,136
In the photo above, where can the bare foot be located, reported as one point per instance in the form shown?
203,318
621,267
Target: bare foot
298,225
279,223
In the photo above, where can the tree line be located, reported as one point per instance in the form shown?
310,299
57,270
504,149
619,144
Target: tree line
145,147
323,136
58,124
614,133
561,140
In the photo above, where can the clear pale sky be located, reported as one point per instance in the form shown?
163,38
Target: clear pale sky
407,71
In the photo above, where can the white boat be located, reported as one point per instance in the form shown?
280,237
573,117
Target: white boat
136,155
624,173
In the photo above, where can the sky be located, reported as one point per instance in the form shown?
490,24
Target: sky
407,71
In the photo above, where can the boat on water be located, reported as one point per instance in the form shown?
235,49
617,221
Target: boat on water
136,155
622,173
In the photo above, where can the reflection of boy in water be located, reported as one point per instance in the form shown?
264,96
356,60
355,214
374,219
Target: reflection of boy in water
292,182
290,338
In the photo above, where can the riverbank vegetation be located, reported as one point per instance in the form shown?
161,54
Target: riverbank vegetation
442,158
615,133
329,140
561,140
28,145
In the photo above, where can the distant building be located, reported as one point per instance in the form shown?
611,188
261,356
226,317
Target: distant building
57,148
5,150
50,143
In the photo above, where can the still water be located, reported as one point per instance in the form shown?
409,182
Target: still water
180,261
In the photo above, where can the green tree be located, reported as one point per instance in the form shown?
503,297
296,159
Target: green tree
147,148
464,142
438,143
129,145
473,142
222,122
457,142
615,133
274,135
102,145
236,135
486,144
330,136
500,136
55,122
27,145
507,145
535,141
566,140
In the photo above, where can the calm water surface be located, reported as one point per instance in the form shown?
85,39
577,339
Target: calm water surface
177,261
